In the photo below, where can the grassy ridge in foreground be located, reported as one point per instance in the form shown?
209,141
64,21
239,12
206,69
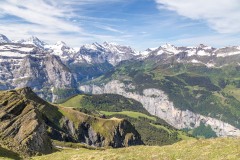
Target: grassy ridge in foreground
211,149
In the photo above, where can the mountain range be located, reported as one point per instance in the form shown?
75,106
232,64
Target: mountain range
188,87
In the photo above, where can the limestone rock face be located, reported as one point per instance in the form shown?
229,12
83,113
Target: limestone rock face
157,103
125,136
29,66
95,131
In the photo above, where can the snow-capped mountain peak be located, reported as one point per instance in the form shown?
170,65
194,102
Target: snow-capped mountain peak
4,39
60,43
117,48
168,48
200,50
227,51
62,50
93,46
107,52
163,49
145,53
33,41
167,45
110,43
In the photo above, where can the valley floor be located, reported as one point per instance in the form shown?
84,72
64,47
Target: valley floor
212,149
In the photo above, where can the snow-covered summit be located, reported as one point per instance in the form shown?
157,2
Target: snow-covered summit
34,41
94,46
61,43
4,39
168,49
107,52
119,49
200,54
62,50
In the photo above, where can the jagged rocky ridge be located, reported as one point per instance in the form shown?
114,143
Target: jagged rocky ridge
91,60
4,39
202,54
53,71
157,103
28,123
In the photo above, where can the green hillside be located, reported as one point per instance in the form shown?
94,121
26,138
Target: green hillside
211,149
153,130
28,125
211,92
105,102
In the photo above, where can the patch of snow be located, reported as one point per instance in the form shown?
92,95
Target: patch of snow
160,52
33,41
195,61
228,54
191,52
87,58
203,53
170,48
76,49
210,65
12,54
144,53
90,46
191,47
24,49
62,50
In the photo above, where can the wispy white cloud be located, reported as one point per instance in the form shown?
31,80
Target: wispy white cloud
221,15
38,12
122,21
109,28
50,20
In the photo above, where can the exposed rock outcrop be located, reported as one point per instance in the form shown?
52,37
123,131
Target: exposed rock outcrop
94,131
26,65
21,125
157,103
28,123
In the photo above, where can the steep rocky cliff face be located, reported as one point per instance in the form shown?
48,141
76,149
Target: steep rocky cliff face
94,131
93,60
26,65
157,103
28,123
54,70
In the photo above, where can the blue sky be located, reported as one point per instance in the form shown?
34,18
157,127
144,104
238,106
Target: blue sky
138,23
